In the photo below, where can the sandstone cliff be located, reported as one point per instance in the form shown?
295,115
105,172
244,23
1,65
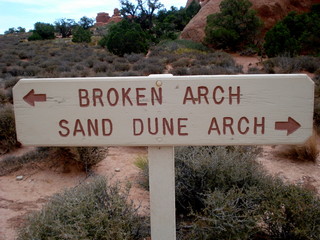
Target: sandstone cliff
270,11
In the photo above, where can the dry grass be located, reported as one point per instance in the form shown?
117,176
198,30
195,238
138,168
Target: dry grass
307,152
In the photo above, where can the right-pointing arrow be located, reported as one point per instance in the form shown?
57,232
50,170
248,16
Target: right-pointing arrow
290,126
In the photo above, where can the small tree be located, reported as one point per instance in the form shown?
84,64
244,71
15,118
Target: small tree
86,22
235,26
14,30
125,37
42,31
65,26
81,35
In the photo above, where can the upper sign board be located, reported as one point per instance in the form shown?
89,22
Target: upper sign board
164,110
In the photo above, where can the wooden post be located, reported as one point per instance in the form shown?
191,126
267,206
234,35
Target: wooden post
162,193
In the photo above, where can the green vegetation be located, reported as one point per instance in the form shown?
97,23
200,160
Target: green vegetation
295,34
235,26
81,35
169,23
124,38
42,31
64,27
96,210
8,138
225,194
14,30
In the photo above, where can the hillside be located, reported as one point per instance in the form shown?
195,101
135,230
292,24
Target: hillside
270,11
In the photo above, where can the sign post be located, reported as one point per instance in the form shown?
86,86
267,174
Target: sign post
162,112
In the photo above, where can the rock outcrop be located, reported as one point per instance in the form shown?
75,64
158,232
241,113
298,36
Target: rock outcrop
270,11
104,18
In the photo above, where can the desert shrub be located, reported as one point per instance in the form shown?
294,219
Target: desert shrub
182,62
305,152
179,71
95,210
142,163
102,67
235,26
287,64
3,98
167,46
8,138
149,66
272,211
10,82
13,163
134,57
227,215
84,157
200,169
290,212
121,65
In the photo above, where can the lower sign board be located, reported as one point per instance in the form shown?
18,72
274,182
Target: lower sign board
164,110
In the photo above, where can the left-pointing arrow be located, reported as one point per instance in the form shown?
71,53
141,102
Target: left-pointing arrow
31,98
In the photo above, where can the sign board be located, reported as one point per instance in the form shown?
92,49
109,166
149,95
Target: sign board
164,111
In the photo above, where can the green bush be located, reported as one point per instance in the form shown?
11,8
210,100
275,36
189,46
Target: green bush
201,169
290,212
235,26
42,31
95,210
34,37
81,35
295,34
8,138
125,38
227,215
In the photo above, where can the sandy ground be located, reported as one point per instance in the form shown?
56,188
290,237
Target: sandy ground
42,180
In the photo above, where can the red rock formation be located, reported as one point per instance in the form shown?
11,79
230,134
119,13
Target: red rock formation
104,18
270,11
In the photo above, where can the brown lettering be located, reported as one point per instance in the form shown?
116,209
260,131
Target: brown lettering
135,130
214,126
104,127
181,126
261,125
203,92
93,127
140,97
61,124
215,99
228,123
125,96
78,128
237,95
97,95
156,126
241,131
83,98
187,97
116,97
156,96
168,126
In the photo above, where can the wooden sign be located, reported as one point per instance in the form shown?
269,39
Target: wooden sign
164,111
